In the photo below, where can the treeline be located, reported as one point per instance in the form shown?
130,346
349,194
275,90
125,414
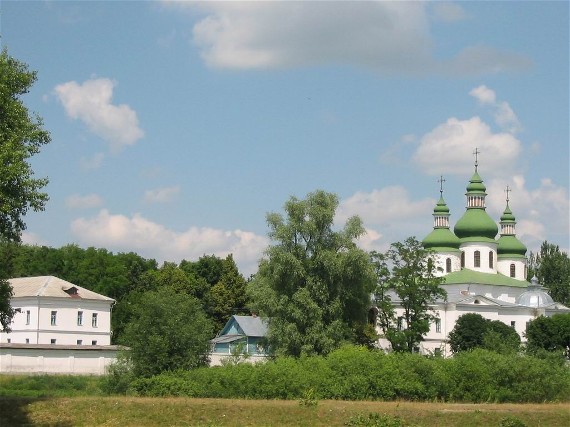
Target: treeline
215,282
357,373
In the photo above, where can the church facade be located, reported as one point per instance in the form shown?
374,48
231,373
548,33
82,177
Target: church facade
484,269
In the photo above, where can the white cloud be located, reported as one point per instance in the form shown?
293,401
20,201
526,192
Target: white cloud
161,195
136,233
504,116
91,102
541,212
77,201
33,239
393,38
448,148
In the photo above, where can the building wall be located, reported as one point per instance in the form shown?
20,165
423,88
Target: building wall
469,249
32,323
504,267
42,359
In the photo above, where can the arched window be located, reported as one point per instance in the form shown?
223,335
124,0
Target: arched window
477,259
490,259
513,271
462,259
448,265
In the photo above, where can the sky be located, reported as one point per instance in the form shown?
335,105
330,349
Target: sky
177,126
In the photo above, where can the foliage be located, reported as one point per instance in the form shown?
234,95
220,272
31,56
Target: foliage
409,272
309,398
315,284
36,386
168,331
474,331
511,421
375,419
356,373
552,268
21,136
549,333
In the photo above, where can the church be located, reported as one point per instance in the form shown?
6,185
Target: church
484,270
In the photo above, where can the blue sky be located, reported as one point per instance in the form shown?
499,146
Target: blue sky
177,126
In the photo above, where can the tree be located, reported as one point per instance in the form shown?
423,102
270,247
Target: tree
228,296
314,285
468,332
168,331
21,136
474,331
549,333
552,268
406,272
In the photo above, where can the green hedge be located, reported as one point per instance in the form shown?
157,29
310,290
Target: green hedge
355,373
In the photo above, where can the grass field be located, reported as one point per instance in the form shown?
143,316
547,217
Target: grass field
140,412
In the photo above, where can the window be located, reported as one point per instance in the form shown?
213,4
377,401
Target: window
94,342
79,318
27,317
513,271
438,325
27,340
477,259
52,341
513,323
53,317
94,320
462,259
491,259
9,340
437,352
448,265
79,342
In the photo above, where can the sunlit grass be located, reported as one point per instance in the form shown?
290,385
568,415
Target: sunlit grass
131,411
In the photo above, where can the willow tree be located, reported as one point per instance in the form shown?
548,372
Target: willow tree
314,284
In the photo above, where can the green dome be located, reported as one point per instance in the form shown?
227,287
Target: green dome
510,245
441,239
507,215
476,223
476,184
441,207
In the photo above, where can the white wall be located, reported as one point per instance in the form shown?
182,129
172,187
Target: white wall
48,359
66,330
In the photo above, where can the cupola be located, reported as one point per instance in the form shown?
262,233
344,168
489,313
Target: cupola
441,238
508,244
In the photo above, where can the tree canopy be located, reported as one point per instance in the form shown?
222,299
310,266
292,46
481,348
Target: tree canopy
171,332
552,268
549,333
21,136
314,284
474,331
407,273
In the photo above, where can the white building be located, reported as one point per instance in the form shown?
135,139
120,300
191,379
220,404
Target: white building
55,319
483,274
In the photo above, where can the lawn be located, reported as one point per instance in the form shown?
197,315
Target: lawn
133,411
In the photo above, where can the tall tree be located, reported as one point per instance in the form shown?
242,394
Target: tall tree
168,331
314,284
550,334
552,268
21,136
407,273
474,331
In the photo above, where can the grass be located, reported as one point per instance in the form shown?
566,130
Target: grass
140,412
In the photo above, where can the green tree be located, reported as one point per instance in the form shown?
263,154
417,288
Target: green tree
549,333
468,332
474,331
552,268
21,136
314,284
168,331
228,296
407,272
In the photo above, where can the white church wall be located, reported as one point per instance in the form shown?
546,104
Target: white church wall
469,249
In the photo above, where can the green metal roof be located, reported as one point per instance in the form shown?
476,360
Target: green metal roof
466,275
441,239
510,245
476,185
475,222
